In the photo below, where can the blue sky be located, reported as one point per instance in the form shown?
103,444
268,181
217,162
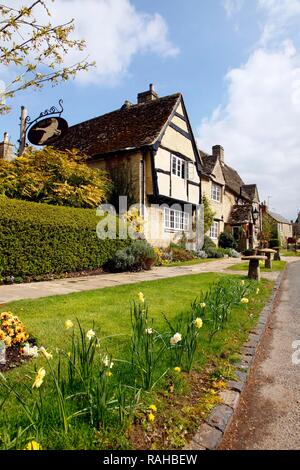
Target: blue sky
231,60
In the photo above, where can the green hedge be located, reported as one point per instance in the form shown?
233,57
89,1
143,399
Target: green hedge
39,239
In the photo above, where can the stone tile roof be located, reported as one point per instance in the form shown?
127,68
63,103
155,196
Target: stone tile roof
240,214
130,127
232,179
279,218
209,162
249,191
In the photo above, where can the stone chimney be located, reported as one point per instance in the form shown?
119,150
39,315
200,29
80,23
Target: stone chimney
147,96
7,149
218,151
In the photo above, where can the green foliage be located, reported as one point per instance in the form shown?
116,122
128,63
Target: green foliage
54,177
208,214
274,242
226,240
135,257
208,243
38,239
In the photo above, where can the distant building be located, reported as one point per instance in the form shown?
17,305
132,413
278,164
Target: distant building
7,149
296,228
282,227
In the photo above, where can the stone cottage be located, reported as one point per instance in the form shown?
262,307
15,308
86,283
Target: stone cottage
150,153
235,204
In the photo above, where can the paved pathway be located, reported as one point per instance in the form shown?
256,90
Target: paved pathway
35,290
269,414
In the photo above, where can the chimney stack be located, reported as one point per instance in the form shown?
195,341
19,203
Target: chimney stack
147,96
218,151
7,149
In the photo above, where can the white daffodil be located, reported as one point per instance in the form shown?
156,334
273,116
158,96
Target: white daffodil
31,351
90,335
107,362
175,339
45,353
149,331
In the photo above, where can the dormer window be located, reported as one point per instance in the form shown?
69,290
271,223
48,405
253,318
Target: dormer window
178,166
216,192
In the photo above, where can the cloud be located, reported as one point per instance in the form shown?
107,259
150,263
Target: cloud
115,31
281,19
259,123
232,6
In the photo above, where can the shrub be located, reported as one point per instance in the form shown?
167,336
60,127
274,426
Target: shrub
214,253
208,243
274,242
249,252
38,239
137,256
226,240
180,254
201,254
233,253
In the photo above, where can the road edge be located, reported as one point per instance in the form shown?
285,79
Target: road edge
211,432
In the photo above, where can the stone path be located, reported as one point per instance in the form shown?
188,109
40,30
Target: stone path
34,290
268,417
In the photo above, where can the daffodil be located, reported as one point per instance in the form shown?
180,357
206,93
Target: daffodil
177,369
31,351
203,305
141,297
39,379
107,362
33,445
68,324
244,300
242,283
108,373
257,291
149,331
151,417
45,353
153,408
198,323
175,339
90,335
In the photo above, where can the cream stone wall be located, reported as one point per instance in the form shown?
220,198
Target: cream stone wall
180,123
178,142
285,231
179,109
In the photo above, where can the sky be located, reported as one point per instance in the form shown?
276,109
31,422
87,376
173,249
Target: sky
236,62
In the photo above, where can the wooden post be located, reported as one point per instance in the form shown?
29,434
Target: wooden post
277,254
254,270
22,140
268,262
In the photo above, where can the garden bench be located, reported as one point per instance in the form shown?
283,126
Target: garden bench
268,253
254,269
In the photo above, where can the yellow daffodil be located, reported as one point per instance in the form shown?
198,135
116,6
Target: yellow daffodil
68,324
33,445
151,417
39,379
242,283
141,297
153,408
203,305
45,353
198,323
244,300
108,373
69,354
177,369
257,291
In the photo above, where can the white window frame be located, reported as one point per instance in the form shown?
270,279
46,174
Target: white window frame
178,166
216,192
214,230
176,220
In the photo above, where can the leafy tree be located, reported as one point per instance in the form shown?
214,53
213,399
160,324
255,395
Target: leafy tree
208,214
35,50
53,177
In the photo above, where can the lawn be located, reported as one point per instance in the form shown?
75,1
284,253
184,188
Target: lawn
276,266
190,262
107,311
289,253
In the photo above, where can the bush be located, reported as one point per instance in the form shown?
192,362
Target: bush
38,239
180,254
226,240
214,253
274,242
137,256
208,243
201,254
249,252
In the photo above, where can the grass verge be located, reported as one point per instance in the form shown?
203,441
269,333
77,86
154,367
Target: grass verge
276,266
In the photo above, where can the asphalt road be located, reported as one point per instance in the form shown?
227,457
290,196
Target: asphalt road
268,416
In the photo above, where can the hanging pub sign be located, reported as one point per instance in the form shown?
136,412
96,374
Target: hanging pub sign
48,127
47,131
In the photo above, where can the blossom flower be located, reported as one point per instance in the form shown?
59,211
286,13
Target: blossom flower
90,335
141,297
177,369
198,323
203,305
39,378
153,408
242,283
107,362
175,339
108,373
68,324
45,353
8,341
2,335
69,353
31,351
257,291
149,331
33,445
151,417
244,300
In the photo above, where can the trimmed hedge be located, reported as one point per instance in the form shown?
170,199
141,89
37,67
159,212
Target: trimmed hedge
39,239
